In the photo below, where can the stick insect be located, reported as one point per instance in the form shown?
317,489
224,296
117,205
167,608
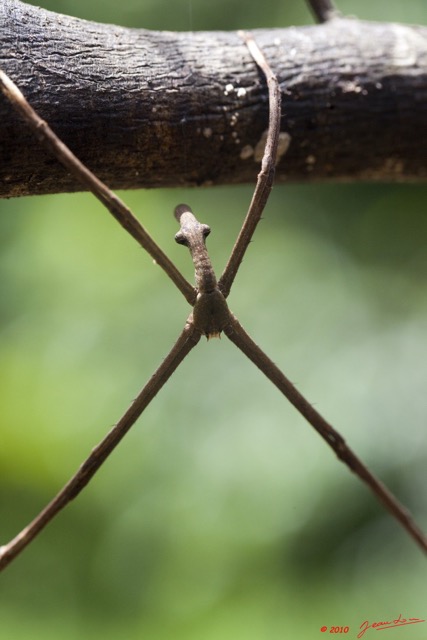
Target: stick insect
210,315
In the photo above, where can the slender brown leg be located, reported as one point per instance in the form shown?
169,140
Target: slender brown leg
185,343
266,175
109,199
241,339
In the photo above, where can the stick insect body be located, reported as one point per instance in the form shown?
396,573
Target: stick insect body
210,315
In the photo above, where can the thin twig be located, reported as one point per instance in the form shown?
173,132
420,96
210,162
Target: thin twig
185,343
241,339
110,200
323,10
265,176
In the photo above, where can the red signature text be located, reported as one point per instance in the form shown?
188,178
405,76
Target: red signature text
387,624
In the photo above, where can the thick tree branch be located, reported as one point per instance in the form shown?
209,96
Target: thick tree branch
151,109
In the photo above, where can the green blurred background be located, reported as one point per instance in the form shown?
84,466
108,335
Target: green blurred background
222,515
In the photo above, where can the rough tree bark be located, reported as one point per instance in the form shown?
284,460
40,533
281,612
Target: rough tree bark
151,109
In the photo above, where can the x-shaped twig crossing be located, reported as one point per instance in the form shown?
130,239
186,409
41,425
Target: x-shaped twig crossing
210,315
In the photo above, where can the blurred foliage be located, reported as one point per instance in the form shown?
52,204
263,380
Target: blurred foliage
221,515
